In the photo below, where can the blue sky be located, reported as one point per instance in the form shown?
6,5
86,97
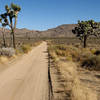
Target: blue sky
46,14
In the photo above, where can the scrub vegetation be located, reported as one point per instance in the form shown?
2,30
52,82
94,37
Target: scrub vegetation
72,60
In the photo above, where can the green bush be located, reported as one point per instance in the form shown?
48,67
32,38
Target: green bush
92,63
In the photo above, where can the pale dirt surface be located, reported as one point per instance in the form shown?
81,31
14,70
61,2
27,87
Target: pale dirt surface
91,79
58,83
27,78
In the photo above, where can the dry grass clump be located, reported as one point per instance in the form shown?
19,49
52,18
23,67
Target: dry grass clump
36,44
81,92
77,45
54,56
23,49
52,53
3,59
67,69
61,47
69,58
78,90
68,52
92,63
26,48
60,53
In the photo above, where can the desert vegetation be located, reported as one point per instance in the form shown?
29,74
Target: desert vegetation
9,18
85,57
11,46
77,61
85,29
65,65
69,57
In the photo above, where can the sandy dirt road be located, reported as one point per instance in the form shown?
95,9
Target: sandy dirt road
27,78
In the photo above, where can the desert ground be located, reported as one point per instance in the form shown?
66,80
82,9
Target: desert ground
26,78
50,71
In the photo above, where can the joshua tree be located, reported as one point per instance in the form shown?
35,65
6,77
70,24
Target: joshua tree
84,29
10,19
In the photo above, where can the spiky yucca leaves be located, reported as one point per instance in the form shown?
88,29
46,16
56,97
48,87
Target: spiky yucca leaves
86,28
7,8
15,7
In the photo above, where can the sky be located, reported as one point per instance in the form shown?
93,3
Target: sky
46,14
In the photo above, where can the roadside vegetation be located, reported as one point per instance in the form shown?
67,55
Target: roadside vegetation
68,55
12,46
85,29
69,58
25,48
88,58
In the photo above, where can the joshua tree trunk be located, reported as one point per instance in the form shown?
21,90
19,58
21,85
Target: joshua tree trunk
4,41
13,39
13,32
85,41
14,44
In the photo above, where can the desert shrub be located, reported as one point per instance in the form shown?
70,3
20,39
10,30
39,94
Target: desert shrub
82,54
60,52
77,45
92,63
69,58
25,48
61,47
97,52
7,52
35,43
85,50
75,56
73,52
93,50
53,56
18,51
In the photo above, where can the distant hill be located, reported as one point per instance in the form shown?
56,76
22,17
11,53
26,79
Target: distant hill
60,31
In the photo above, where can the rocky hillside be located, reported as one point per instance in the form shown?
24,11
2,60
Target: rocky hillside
60,31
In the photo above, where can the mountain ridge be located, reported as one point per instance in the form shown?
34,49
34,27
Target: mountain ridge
64,30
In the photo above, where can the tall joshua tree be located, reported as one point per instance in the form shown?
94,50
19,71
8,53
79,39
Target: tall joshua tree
10,19
84,29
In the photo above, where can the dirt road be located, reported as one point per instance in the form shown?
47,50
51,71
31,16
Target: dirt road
27,78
